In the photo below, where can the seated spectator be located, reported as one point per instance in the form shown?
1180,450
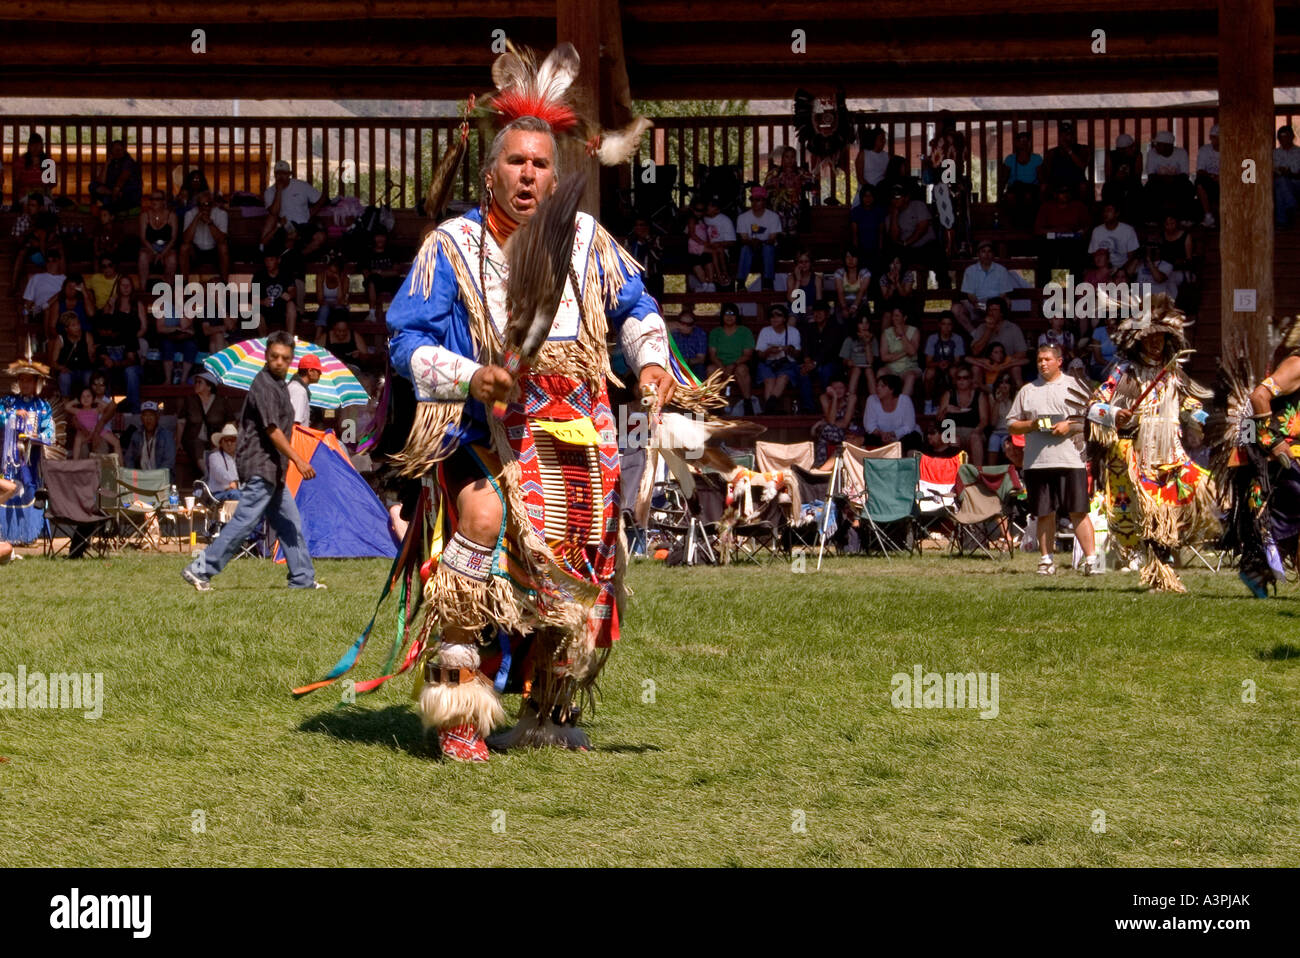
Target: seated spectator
1154,273
803,287
204,239
1177,248
966,406
890,417
36,243
221,472
997,329
202,415
151,447
785,185
944,350
104,401
900,347
187,197
1068,163
31,207
989,367
119,328
698,254
119,186
851,285
1021,187
1004,393
1101,270
70,355
757,231
838,408
291,205
780,350
381,274
103,285
692,342
174,333
822,339
731,347
873,158
1125,154
646,248
981,282
1207,179
1118,239
346,344
1057,335
73,299
936,446
30,171
279,310
858,353
1168,189
910,234
331,293
1101,347
40,297
108,240
722,239
1062,229
897,285
1124,192
91,432
1286,177
159,233
868,221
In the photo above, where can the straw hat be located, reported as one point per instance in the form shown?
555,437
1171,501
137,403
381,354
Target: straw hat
227,432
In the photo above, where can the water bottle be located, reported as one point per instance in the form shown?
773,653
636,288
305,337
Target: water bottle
173,499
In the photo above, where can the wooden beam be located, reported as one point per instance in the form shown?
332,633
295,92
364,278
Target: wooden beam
577,23
200,13
1246,33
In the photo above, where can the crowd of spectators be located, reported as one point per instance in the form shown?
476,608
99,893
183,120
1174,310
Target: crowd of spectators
89,307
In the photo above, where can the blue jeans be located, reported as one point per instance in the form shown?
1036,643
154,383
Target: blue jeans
260,497
1284,199
769,264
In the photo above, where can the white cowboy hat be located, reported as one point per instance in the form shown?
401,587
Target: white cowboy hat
227,432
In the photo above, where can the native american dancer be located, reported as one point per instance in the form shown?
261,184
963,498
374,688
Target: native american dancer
501,329
1156,496
29,427
1256,448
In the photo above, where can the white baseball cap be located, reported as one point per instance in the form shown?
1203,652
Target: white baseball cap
1123,140
282,166
1165,136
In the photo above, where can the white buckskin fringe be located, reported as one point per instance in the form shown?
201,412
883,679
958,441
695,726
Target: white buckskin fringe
445,705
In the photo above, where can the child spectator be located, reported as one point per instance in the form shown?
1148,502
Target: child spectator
91,433
859,355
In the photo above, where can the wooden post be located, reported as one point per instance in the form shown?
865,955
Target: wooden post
1246,41
578,23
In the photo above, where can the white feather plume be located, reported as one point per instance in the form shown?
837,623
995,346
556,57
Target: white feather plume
617,146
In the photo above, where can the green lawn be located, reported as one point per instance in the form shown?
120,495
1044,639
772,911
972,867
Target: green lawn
772,697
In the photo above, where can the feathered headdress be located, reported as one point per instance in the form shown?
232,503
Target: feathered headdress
1164,318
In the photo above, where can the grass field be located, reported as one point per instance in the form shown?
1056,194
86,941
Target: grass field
771,708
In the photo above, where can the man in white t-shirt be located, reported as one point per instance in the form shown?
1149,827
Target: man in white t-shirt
780,349
1168,189
1118,239
1056,477
290,205
1286,176
42,288
203,236
1207,177
757,230
981,281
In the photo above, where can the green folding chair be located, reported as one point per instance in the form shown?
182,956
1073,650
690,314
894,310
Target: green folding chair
890,512
135,502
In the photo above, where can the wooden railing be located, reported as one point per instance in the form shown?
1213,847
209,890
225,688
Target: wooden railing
367,157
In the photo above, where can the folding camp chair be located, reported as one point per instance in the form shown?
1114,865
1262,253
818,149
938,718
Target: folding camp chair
890,510
936,494
753,536
979,516
71,497
135,502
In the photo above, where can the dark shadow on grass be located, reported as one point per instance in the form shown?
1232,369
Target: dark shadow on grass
396,727
633,749
1279,652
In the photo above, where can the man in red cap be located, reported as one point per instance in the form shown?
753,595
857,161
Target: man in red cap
308,374
757,229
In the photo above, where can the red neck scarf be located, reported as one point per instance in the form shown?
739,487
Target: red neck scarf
500,223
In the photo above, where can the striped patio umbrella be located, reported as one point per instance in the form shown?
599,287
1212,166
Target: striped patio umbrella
237,365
